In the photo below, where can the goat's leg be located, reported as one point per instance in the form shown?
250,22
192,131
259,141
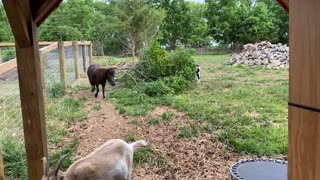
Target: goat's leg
93,88
103,85
96,95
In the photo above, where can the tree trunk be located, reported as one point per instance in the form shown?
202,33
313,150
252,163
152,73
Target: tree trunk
133,47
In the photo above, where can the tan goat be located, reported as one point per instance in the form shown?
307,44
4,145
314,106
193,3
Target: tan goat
111,161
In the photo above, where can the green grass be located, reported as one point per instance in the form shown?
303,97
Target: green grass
131,138
167,116
154,121
67,109
142,155
245,106
96,107
187,132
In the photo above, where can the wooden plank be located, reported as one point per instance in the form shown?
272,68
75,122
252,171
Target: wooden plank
62,63
304,144
17,22
45,9
76,59
1,165
90,55
32,105
284,4
304,89
67,43
84,43
84,58
7,66
304,53
10,44
49,48
0,56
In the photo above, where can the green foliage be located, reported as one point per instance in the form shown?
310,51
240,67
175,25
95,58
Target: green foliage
55,90
142,155
67,109
167,116
157,88
189,132
8,53
159,64
131,138
14,158
154,121
96,107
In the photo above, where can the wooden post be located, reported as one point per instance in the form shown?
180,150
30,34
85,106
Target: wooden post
304,91
90,54
62,63
1,165
43,82
0,56
76,59
84,57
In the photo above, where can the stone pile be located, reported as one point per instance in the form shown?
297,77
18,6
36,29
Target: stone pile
273,56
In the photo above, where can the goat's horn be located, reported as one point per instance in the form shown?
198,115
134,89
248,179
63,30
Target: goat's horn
45,166
56,170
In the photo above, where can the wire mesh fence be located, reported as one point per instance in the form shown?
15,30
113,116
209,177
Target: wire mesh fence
10,107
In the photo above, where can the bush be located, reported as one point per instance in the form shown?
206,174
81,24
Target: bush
157,88
8,53
157,63
55,90
178,84
14,158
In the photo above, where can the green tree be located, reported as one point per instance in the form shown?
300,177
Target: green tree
198,36
5,31
134,22
177,24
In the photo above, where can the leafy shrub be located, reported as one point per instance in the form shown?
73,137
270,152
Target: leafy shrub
8,53
157,63
55,90
157,88
14,158
178,84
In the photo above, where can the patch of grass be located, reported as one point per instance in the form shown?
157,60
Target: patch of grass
154,121
142,155
96,107
189,132
167,116
14,158
68,109
159,162
55,90
134,121
80,87
131,138
69,150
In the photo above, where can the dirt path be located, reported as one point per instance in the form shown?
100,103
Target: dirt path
201,157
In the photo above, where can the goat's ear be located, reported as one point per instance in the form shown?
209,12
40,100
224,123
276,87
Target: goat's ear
45,166
56,169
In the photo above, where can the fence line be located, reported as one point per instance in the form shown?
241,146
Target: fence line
58,68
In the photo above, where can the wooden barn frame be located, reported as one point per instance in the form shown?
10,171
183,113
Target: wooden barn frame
25,16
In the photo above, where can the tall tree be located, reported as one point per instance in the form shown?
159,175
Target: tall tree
5,31
135,22
177,24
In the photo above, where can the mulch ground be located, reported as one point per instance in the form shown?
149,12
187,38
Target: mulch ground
201,157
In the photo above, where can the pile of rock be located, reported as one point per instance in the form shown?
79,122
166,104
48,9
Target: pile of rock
273,56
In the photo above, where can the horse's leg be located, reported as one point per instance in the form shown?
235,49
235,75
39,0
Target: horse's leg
97,90
103,85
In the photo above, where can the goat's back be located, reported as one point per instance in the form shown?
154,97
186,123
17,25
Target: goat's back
108,161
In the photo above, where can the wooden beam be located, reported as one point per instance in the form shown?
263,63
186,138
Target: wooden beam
1,165
17,22
62,63
49,48
0,56
32,105
90,54
284,4
46,8
84,61
304,89
76,59
9,44
7,66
